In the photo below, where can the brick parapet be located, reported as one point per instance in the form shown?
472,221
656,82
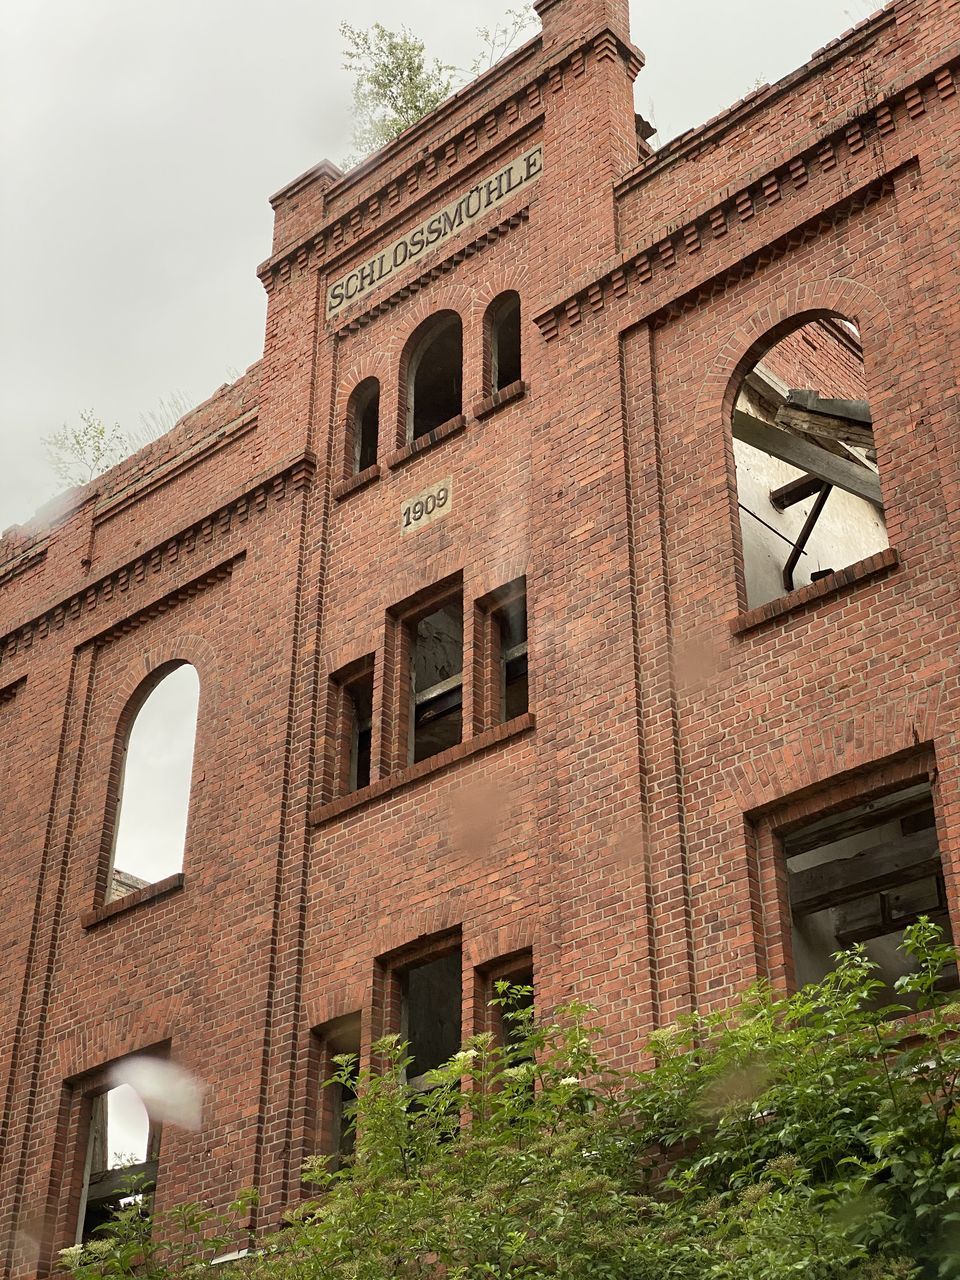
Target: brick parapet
648,266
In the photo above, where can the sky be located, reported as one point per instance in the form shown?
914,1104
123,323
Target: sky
139,144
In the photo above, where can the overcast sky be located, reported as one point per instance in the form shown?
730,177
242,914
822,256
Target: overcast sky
139,144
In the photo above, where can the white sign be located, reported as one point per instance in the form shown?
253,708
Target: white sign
432,504
462,213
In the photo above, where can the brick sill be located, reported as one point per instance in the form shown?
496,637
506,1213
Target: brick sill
149,893
353,483
863,571
506,395
463,751
425,442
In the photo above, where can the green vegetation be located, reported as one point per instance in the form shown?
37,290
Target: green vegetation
395,84
811,1136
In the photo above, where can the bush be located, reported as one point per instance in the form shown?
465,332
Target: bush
810,1136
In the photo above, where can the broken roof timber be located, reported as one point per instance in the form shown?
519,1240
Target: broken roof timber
808,456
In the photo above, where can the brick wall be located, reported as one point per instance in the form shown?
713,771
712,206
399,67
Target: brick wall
621,830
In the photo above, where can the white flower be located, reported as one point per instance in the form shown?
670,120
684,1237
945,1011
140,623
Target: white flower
570,1080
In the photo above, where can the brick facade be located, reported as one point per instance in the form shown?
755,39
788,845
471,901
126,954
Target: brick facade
623,830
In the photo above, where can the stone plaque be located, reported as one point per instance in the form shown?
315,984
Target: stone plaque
422,509
437,230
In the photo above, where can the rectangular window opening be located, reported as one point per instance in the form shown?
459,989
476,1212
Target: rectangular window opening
436,669
511,620
337,1133
120,1167
431,1010
359,695
864,876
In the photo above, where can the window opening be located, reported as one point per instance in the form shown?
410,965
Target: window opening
863,876
337,1129
509,1032
435,376
511,620
122,1153
154,794
365,422
807,482
360,700
431,1009
437,680
505,341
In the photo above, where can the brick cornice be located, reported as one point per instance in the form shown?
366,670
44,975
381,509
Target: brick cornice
519,110
699,229
162,557
9,691
33,554
201,452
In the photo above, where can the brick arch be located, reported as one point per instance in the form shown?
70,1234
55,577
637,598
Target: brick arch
349,997
424,574
191,649
746,344
104,1040
355,648
491,576
487,946
409,928
826,751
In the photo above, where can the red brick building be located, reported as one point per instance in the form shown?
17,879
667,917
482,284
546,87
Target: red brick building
542,623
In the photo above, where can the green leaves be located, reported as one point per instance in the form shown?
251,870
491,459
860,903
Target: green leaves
813,1136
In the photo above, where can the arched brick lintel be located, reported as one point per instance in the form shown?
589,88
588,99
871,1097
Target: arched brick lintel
783,313
825,752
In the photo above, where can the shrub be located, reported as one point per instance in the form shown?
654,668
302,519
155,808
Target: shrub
812,1135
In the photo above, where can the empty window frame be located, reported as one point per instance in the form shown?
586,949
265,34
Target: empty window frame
863,876
433,375
363,426
510,620
506,988
336,1136
500,656
151,780
120,1164
436,680
431,1013
503,341
808,488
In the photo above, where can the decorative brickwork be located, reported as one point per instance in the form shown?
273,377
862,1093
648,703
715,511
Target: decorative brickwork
621,836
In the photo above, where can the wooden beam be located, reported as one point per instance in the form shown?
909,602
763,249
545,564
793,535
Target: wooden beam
884,866
892,808
807,456
822,424
112,1184
794,491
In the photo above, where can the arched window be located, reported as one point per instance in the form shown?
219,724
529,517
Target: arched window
808,488
434,374
503,340
155,767
363,424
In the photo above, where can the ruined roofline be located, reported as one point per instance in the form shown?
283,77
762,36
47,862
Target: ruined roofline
137,467
340,181
713,128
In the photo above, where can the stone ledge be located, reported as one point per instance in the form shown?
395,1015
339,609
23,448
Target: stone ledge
873,567
425,442
149,893
506,395
404,777
360,481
